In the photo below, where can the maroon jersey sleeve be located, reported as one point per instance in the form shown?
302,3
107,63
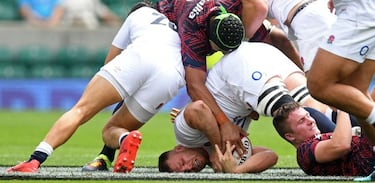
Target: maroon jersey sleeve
358,162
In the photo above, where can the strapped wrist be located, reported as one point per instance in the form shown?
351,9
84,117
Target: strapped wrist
221,118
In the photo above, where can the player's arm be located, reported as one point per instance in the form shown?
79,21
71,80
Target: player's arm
200,117
195,83
339,144
281,41
261,159
253,14
112,53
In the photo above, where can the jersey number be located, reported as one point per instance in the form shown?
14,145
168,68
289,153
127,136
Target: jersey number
160,19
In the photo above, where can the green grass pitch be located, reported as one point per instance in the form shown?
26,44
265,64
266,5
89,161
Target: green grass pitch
22,131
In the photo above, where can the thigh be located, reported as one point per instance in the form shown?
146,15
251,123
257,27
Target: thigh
124,119
98,94
363,76
330,68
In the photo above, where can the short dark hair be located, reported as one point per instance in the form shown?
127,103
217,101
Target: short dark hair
281,115
140,5
226,31
163,166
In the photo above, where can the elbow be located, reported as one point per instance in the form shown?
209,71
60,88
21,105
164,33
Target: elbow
270,160
253,14
346,148
261,6
343,148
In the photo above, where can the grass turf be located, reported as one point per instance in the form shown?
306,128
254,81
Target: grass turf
22,131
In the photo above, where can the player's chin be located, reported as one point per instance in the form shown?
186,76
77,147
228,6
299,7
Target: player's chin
199,164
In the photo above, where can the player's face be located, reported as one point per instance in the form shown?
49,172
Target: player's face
187,159
302,124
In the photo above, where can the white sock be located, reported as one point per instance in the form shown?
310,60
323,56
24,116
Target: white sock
121,137
371,118
44,147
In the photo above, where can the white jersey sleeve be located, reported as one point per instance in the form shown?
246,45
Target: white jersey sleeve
122,38
237,80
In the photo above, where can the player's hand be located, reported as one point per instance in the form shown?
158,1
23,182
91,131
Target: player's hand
174,112
215,163
232,133
226,159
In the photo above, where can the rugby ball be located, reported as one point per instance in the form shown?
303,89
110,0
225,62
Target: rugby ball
246,142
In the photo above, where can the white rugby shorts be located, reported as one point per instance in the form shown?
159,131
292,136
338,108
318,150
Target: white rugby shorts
145,79
309,34
352,36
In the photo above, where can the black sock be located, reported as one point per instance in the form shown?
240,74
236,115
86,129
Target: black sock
39,156
109,152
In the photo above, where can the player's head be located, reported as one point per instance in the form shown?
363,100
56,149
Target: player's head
140,5
294,123
226,31
183,159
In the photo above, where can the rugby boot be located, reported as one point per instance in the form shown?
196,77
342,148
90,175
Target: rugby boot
100,163
128,152
26,167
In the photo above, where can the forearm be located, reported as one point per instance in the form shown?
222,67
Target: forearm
342,135
253,14
258,162
112,53
280,41
339,144
199,116
197,90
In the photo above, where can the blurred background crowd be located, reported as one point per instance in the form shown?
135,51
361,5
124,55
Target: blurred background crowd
57,38
49,49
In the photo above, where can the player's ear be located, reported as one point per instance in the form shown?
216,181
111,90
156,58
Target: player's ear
289,137
179,148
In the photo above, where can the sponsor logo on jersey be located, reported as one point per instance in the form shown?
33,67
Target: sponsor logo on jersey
197,9
364,50
256,75
331,38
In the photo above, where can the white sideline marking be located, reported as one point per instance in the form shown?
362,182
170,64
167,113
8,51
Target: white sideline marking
151,173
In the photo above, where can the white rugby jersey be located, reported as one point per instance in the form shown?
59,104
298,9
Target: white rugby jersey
144,25
236,82
237,79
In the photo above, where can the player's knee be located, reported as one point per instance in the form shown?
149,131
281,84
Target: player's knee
197,110
81,113
313,89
